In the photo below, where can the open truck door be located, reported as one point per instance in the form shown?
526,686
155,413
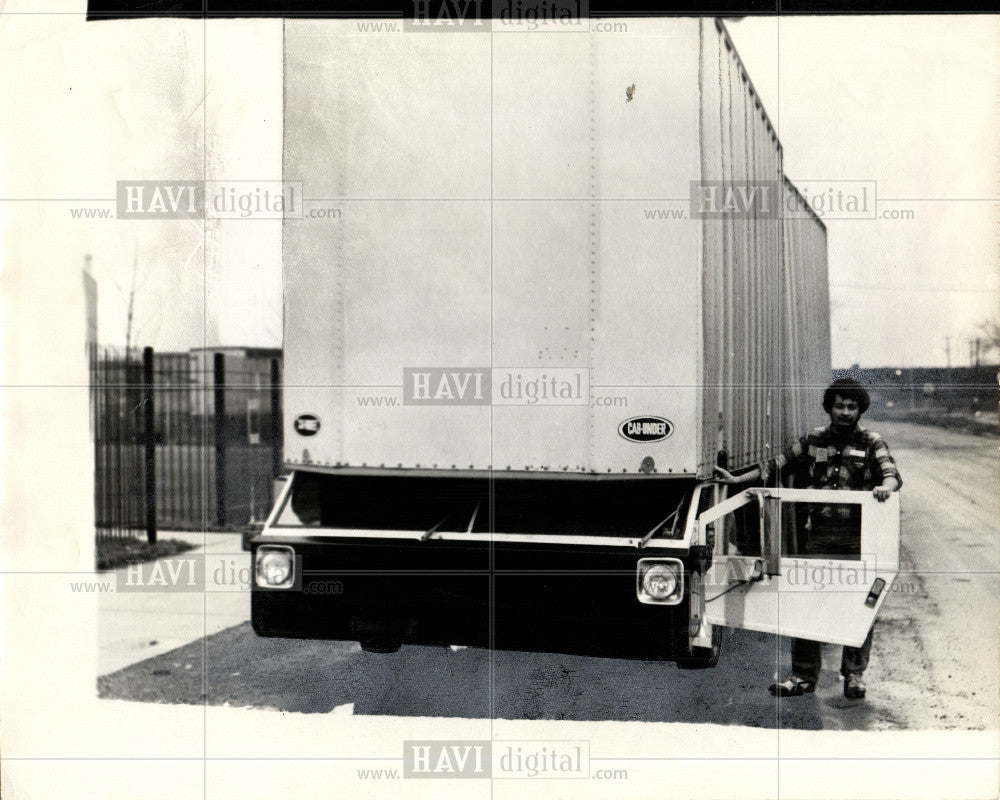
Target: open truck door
760,579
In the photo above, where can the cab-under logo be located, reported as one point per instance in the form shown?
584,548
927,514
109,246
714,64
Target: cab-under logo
306,424
645,429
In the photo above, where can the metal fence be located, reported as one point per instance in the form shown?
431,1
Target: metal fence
184,441
118,422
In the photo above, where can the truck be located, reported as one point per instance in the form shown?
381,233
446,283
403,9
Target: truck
541,287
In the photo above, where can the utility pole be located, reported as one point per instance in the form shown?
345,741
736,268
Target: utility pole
947,356
131,306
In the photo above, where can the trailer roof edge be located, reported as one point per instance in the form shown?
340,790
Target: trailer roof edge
728,40
805,202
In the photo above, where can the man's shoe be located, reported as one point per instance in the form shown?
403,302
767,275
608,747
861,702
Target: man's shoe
792,686
854,687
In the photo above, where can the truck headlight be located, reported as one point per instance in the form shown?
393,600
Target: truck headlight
659,581
275,566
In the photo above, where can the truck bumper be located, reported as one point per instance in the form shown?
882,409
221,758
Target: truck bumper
534,597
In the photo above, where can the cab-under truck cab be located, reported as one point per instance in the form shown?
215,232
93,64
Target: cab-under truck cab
601,582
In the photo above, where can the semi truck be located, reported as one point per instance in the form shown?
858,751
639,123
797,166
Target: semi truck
566,278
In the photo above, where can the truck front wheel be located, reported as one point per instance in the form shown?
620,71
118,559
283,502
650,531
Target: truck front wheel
378,635
688,657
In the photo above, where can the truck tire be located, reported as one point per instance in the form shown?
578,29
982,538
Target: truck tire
688,657
377,635
703,657
380,645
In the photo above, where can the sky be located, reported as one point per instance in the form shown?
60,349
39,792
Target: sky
912,103
909,103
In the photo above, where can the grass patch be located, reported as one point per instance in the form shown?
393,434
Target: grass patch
115,553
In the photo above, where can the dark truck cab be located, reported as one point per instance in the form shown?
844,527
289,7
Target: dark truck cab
556,564
537,563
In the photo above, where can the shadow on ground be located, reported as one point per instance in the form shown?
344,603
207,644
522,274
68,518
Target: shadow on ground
237,668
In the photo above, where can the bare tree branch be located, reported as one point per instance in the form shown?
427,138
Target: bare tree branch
990,330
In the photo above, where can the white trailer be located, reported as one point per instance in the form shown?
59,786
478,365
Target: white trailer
565,280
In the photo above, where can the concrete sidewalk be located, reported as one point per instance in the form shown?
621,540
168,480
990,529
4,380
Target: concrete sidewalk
136,625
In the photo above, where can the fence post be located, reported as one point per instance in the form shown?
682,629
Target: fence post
149,438
276,429
220,438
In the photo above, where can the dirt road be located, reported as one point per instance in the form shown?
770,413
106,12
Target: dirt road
935,661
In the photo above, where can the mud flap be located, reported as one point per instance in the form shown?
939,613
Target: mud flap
762,578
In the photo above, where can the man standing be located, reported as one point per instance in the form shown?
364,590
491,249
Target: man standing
841,455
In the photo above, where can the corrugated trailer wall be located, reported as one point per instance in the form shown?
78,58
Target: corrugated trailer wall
742,262
806,316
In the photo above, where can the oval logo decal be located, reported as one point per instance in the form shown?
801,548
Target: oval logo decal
646,429
306,424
